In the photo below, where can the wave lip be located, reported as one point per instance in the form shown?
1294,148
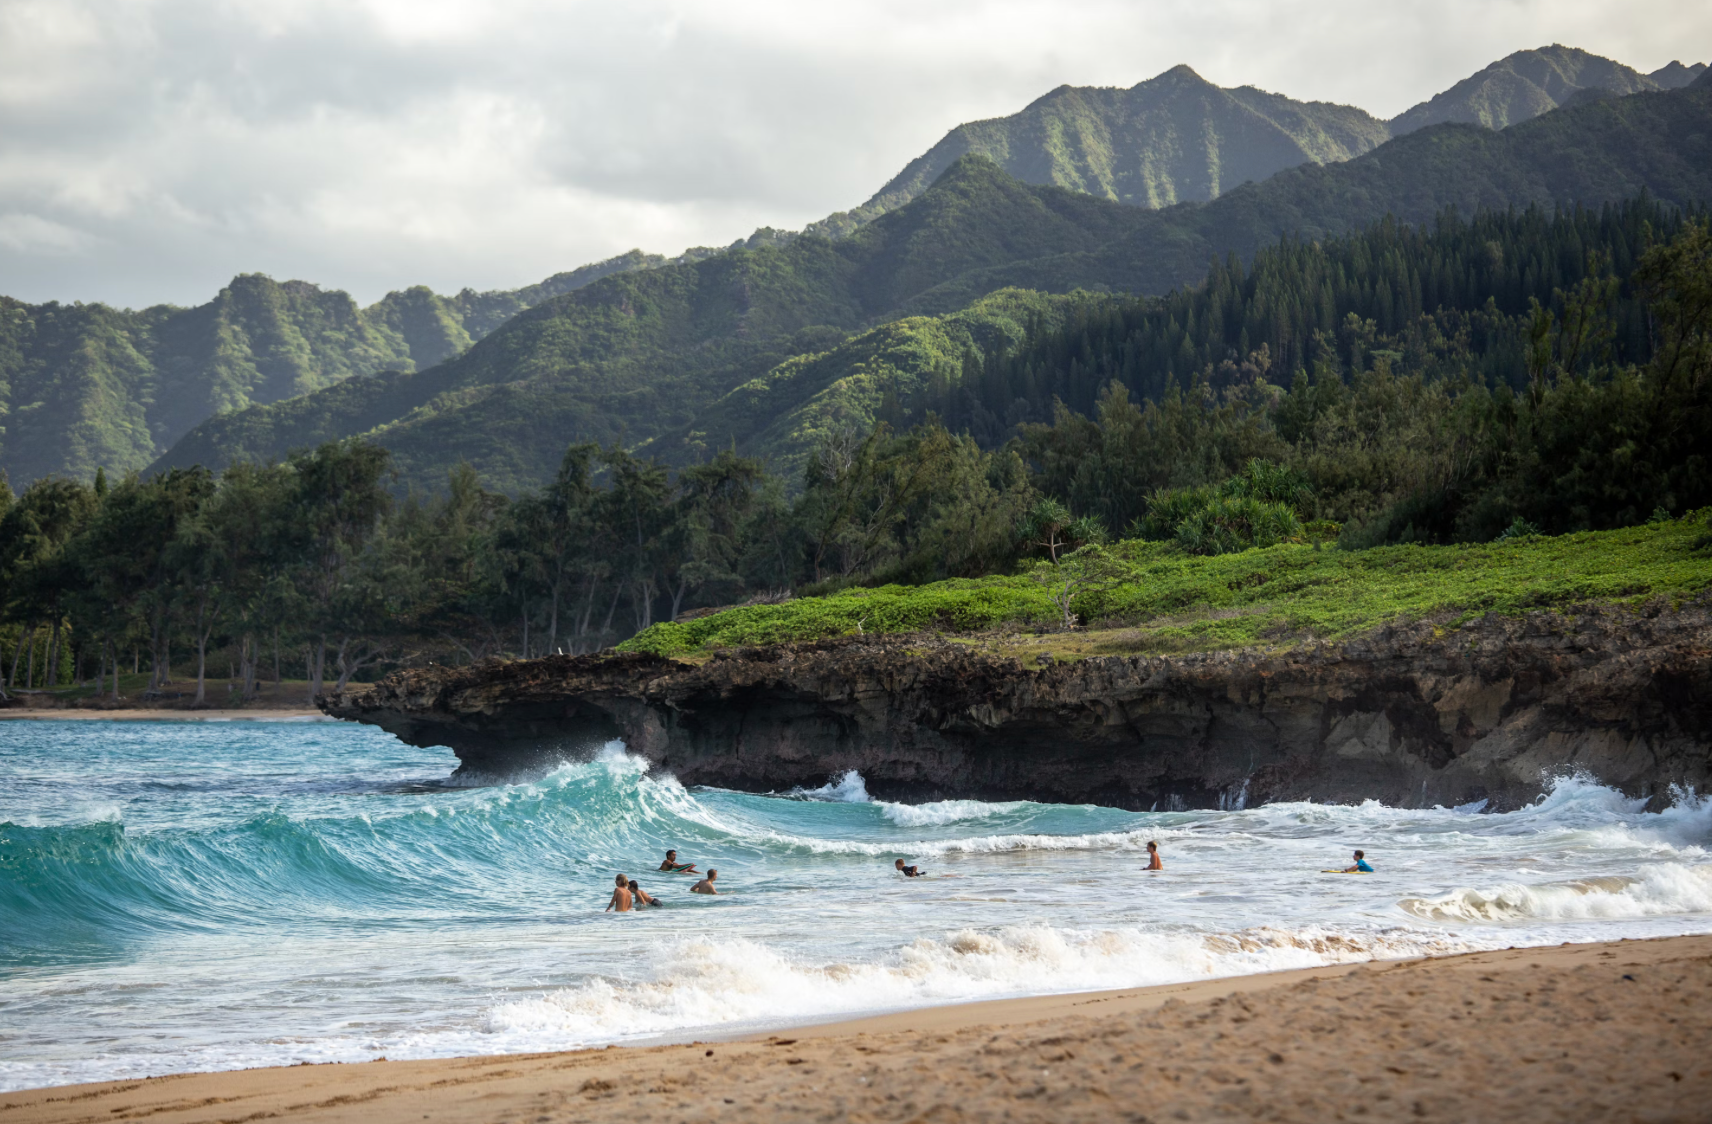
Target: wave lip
1667,888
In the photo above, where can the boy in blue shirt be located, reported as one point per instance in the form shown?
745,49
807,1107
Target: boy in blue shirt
1360,865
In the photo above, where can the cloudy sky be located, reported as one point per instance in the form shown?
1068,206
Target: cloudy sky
150,149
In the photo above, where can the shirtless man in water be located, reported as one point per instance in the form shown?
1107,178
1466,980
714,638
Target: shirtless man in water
621,897
642,896
673,866
1153,862
705,886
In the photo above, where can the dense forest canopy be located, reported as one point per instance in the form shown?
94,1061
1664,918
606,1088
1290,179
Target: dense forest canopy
1511,374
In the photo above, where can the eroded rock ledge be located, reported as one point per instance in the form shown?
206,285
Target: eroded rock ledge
1411,715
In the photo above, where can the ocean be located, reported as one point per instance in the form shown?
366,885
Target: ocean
201,895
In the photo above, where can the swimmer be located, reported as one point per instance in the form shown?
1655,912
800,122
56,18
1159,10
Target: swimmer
705,886
642,896
1153,862
621,899
1360,865
909,871
673,866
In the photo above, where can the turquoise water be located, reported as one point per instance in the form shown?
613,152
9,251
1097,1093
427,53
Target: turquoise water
179,896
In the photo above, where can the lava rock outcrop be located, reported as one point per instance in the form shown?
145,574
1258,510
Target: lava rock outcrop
1411,715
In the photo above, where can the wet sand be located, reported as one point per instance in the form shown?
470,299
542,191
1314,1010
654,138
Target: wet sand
1617,1031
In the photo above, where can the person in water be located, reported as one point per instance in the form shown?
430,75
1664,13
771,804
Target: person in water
1360,865
909,871
642,896
673,866
1153,862
621,899
705,886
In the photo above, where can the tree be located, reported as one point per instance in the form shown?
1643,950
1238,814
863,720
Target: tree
704,542
1051,527
340,499
1089,569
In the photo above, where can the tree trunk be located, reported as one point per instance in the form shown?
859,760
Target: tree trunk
317,667
25,637
553,620
155,680
606,626
276,679
526,630
201,662
115,671
51,679
30,674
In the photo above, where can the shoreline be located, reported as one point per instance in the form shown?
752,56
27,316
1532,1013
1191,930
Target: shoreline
162,714
1544,1033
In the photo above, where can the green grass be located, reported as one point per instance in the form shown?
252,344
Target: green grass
1282,594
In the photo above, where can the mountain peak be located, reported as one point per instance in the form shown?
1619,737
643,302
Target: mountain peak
1523,85
1181,74
1173,138
1674,76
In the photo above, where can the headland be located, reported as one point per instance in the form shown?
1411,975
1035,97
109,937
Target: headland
1412,714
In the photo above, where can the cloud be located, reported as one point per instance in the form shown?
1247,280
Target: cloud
150,149
32,234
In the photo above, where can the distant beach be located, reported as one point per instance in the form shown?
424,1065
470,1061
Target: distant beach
1582,1032
161,714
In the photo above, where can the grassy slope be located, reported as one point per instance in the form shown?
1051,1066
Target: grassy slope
1283,594
783,415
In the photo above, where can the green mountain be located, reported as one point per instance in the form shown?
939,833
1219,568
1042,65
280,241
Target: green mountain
755,346
1170,139
87,386
640,354
1529,83
1179,138
1674,76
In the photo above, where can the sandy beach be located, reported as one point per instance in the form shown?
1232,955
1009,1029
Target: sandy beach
1614,1031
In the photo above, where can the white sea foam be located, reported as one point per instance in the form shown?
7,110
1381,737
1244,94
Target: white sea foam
848,789
1667,888
941,812
709,983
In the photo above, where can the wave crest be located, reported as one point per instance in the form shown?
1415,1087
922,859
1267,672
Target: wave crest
1664,889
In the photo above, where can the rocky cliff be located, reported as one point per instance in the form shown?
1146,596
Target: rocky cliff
1409,715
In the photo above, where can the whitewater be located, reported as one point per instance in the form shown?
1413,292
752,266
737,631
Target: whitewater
193,896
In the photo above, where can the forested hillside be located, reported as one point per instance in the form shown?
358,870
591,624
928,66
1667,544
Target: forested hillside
659,356
1576,396
1171,139
84,387
1179,138
88,386
1529,83
635,355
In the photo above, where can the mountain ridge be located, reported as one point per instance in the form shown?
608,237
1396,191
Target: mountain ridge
89,386
640,355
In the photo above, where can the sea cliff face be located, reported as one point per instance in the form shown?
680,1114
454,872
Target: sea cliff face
1408,715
